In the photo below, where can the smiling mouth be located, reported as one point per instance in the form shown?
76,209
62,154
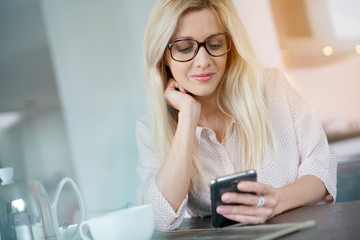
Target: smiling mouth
203,77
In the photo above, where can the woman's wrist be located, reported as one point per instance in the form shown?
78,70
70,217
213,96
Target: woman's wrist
280,195
190,115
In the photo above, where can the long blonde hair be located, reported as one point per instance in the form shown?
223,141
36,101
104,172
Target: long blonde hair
241,94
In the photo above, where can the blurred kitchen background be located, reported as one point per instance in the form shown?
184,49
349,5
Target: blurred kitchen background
71,87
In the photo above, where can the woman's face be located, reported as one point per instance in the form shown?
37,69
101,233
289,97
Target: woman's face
201,75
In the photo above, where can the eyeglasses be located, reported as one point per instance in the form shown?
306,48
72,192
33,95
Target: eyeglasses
184,50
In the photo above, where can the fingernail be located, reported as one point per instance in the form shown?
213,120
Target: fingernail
219,209
242,185
225,198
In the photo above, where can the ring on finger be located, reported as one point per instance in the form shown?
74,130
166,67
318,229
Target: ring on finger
261,201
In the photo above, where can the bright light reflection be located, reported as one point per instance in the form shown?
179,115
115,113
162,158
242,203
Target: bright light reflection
357,49
18,204
328,50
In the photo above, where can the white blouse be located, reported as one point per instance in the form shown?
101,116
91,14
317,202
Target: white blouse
302,149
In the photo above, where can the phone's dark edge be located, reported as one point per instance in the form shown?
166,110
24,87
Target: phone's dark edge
249,173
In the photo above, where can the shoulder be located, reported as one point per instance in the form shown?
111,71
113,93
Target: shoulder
143,125
277,84
279,92
144,121
274,77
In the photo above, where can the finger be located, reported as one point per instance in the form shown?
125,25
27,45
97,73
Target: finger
172,88
246,218
243,210
175,95
172,84
255,187
182,89
240,198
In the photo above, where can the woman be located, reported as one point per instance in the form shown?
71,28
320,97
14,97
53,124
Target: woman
214,111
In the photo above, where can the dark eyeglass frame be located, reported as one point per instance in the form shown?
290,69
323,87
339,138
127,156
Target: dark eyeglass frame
199,44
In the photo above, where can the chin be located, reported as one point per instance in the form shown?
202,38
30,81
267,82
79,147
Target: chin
202,93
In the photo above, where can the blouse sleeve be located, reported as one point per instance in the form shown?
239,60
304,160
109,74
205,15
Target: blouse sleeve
166,219
316,157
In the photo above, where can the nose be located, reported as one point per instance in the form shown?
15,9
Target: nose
202,58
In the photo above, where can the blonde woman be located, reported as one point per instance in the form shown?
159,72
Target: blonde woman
214,111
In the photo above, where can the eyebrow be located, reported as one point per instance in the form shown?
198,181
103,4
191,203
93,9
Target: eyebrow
191,38
183,38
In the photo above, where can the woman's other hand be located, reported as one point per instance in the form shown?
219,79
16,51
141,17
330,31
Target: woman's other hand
249,211
177,97
173,179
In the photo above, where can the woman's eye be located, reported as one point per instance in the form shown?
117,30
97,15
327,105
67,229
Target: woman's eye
184,47
185,50
215,46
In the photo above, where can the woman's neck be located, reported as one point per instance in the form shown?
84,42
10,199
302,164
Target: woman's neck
209,107
212,117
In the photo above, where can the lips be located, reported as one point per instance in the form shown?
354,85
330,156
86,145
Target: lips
203,77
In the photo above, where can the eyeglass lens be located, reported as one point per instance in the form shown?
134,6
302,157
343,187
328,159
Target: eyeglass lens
185,50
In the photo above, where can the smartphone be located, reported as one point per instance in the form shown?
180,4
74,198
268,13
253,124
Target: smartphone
222,185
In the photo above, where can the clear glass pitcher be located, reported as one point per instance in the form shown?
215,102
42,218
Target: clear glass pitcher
26,212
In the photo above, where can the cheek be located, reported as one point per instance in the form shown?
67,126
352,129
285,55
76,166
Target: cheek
178,70
222,65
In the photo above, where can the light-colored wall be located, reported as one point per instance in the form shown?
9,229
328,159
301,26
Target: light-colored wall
257,18
96,48
45,148
331,89
35,143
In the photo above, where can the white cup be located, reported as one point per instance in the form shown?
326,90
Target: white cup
131,223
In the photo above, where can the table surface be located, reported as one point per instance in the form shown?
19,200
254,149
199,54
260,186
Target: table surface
333,221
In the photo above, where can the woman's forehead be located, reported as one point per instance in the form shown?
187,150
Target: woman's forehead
198,25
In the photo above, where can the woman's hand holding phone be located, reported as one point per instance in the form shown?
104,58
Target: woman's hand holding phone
244,207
